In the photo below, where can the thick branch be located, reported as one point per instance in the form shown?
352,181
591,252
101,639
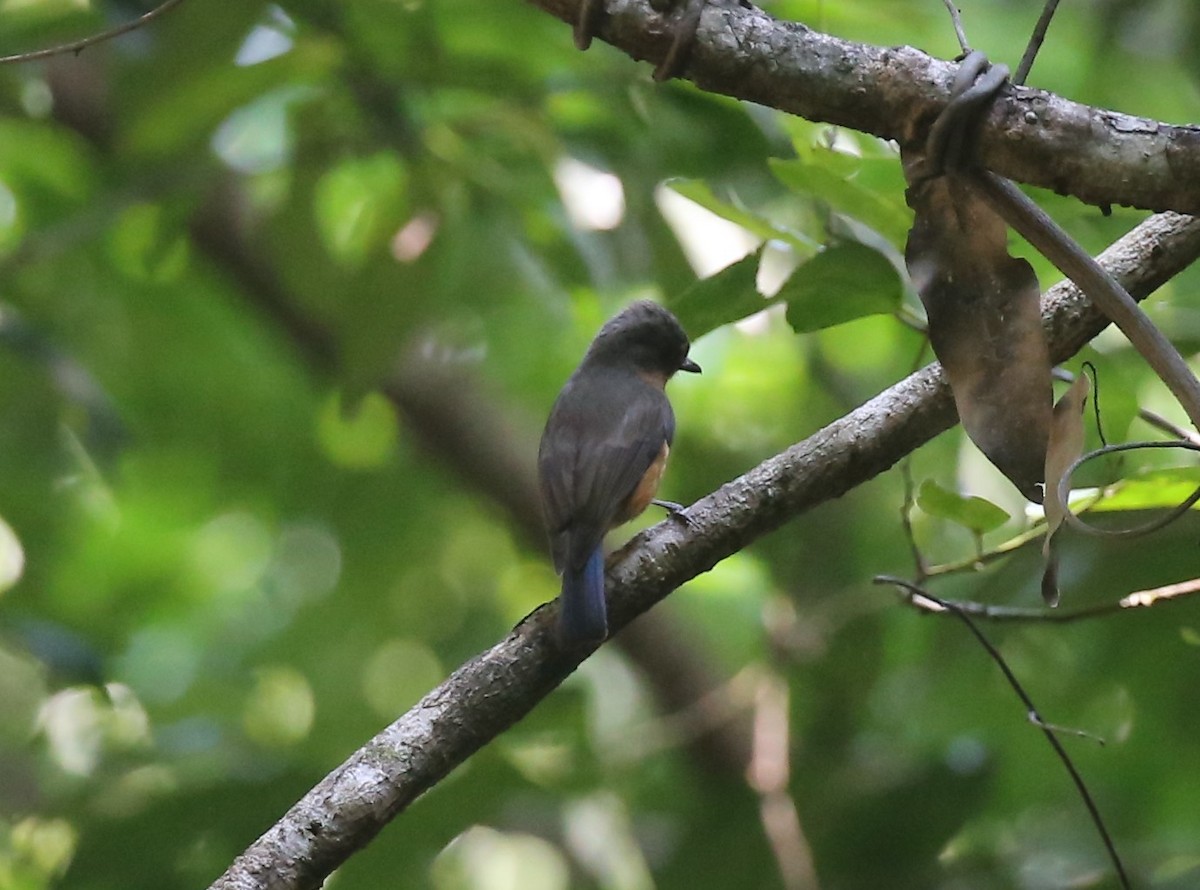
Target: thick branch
497,688
1101,157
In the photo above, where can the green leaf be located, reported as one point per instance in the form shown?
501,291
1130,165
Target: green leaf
146,247
976,513
361,438
359,204
44,174
882,211
840,284
728,296
702,193
1155,490
179,107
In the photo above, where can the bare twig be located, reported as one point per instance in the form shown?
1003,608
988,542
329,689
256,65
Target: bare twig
769,773
716,707
956,18
1139,599
1159,422
1035,41
1066,730
1049,731
78,46
1168,592
977,561
910,500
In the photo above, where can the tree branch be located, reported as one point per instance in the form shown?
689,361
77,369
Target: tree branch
1101,157
497,688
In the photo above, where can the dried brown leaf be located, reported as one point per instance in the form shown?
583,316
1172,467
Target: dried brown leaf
985,325
1065,447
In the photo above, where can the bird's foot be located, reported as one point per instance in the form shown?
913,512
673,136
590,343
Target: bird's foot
587,21
683,39
683,28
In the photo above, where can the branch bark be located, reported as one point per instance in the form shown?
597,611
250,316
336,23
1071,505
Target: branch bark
1099,156
498,687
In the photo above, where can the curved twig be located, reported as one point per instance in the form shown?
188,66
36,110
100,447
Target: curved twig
949,145
1072,519
78,46
1087,367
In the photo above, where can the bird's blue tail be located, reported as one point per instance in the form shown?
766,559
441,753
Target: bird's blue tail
582,616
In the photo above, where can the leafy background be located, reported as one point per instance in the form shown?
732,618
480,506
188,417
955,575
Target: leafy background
219,235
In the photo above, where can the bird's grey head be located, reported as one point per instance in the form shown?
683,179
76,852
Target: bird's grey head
645,336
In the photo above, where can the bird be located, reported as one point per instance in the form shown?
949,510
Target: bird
603,452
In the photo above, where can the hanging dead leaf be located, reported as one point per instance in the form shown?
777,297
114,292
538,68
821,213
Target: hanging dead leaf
1065,447
985,323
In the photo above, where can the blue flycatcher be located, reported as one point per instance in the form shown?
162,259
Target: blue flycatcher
603,452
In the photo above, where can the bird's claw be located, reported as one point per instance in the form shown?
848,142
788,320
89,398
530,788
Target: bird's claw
684,31
587,21
677,511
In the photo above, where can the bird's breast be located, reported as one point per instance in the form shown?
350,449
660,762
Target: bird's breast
647,488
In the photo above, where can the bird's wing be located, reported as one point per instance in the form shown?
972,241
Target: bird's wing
602,436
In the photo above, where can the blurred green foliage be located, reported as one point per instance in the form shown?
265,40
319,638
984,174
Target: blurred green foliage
217,237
